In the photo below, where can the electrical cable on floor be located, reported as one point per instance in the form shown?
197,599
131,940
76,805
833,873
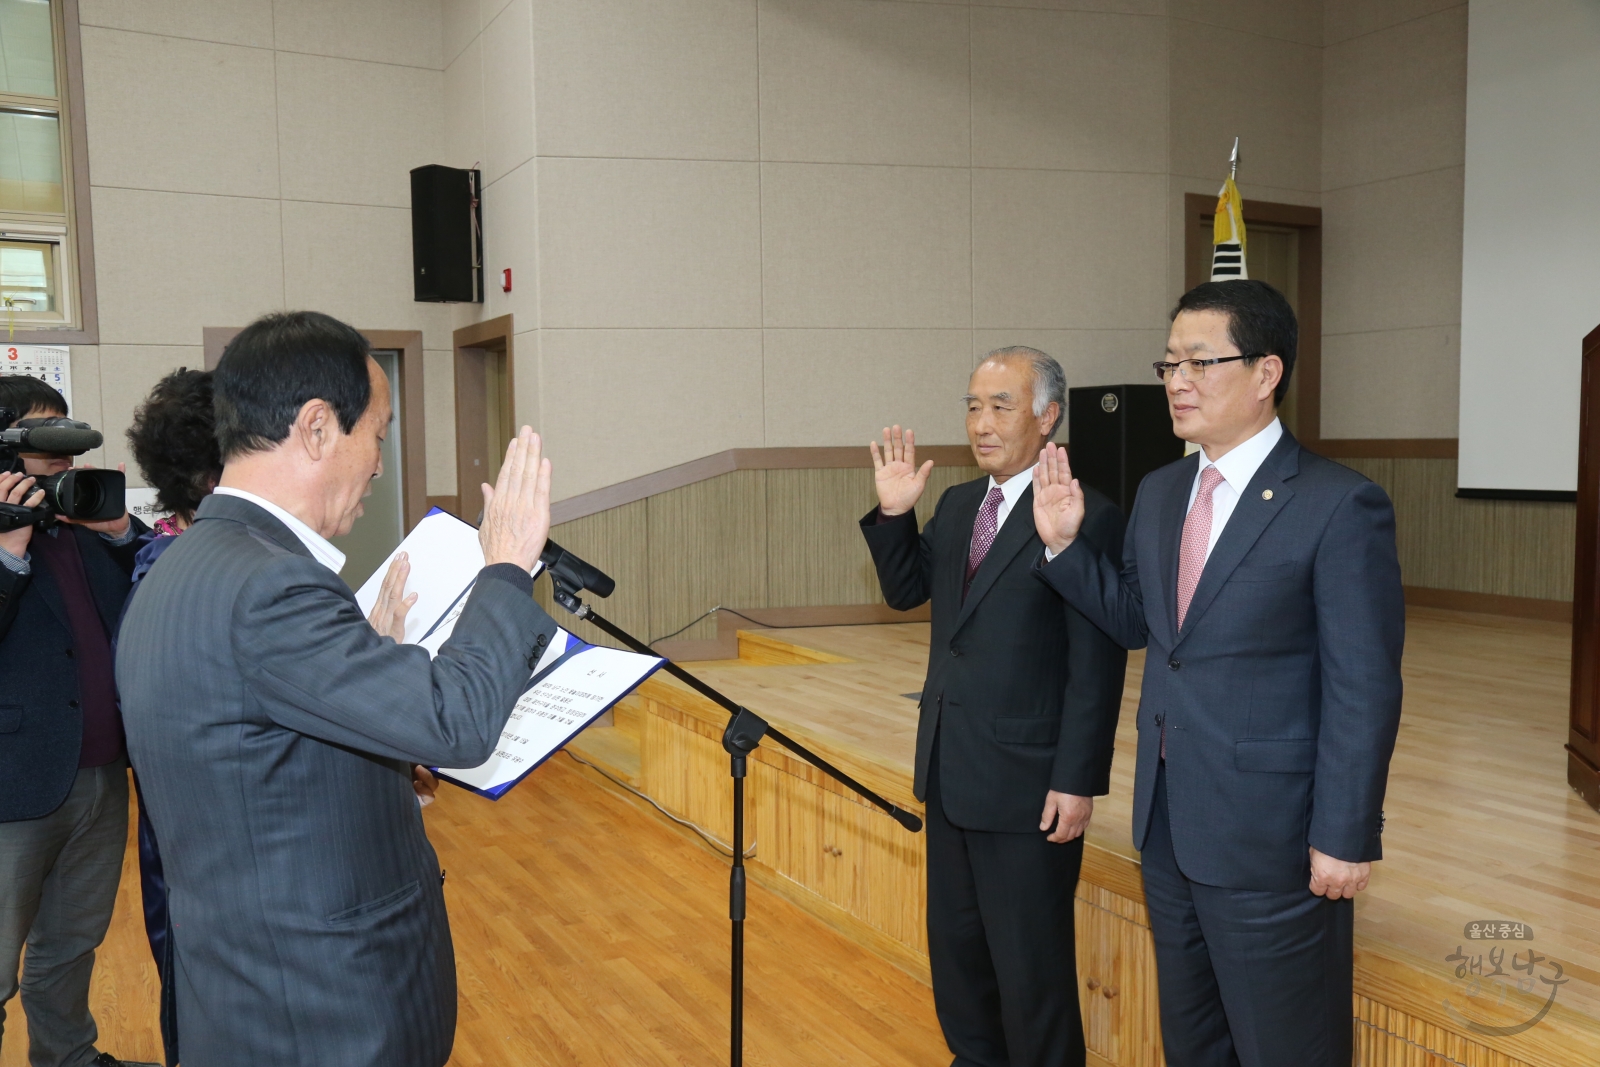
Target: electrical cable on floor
722,848
706,615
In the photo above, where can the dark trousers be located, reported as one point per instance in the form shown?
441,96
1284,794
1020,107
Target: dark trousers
1000,943
1258,978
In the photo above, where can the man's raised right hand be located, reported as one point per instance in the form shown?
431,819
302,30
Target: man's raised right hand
516,511
900,482
1058,505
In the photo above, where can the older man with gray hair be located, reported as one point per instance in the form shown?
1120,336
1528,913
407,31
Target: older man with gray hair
1018,717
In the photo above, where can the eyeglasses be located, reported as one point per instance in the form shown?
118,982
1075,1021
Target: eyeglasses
1195,369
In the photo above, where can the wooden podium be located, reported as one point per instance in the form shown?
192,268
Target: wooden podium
1583,735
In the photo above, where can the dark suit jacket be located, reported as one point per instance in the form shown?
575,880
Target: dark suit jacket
1022,690
274,732
41,724
1281,694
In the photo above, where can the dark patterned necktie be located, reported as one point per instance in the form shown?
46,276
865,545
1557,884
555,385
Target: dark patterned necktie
983,531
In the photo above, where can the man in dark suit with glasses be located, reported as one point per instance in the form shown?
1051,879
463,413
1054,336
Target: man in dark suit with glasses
1264,582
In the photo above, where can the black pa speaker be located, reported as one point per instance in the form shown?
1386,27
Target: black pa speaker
446,235
1120,433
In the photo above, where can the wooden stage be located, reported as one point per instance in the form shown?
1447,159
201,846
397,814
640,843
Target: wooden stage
1480,826
591,930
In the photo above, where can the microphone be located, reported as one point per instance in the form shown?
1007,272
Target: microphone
577,574
57,436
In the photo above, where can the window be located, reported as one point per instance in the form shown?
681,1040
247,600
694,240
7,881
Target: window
38,272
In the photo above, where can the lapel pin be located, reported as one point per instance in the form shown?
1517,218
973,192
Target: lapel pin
1266,494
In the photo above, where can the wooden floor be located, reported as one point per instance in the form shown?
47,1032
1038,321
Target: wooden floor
591,931
588,931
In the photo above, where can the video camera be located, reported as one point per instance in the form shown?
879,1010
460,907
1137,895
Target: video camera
86,495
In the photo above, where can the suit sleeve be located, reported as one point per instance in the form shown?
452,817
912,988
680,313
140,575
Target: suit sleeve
320,669
1096,670
12,585
1088,577
1361,632
902,556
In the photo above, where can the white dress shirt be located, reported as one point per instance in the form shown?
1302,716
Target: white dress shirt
321,551
1236,468
1012,488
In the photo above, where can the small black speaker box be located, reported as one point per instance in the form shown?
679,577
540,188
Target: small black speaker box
446,235
1120,433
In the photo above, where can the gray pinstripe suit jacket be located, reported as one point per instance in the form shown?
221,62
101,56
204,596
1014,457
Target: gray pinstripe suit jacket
273,732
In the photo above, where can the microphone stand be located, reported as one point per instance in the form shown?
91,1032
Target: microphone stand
743,734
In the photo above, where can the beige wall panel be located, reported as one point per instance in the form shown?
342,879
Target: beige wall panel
404,32
856,81
463,107
1130,7
616,541
220,263
1265,91
1391,254
354,263
127,373
621,403
1399,383
649,243
352,131
1068,250
1287,20
1344,19
439,418
510,239
246,22
86,405
1070,90
490,9
815,551
507,89
672,79
708,546
462,20
1504,547
841,387
525,381
186,116
1089,357
1395,102
866,246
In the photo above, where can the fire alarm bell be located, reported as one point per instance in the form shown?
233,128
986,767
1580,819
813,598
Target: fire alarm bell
505,280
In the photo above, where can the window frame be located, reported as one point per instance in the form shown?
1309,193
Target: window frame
75,260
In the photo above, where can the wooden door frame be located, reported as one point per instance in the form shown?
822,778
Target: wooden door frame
1308,360
470,343
413,428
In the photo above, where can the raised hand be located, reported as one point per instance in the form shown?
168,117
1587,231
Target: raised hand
388,615
1057,500
899,481
516,511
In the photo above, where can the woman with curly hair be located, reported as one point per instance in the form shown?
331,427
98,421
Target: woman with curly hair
174,442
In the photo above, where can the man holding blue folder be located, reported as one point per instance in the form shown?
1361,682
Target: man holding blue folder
274,728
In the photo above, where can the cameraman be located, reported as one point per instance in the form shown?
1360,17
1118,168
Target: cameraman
64,804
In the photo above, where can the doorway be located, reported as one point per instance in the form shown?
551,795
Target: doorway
382,524
1283,249
485,412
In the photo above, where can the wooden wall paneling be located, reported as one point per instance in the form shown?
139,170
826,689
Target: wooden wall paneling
1117,978
1514,548
616,541
1386,1036
684,768
815,552
708,546
941,478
